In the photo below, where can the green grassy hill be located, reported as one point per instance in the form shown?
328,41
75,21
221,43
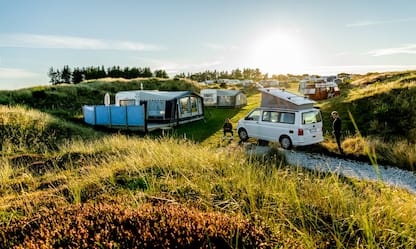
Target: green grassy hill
382,108
381,105
64,184
66,100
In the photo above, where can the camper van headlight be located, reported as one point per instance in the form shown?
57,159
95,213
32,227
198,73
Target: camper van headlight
162,112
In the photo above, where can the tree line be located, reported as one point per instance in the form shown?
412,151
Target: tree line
236,74
77,75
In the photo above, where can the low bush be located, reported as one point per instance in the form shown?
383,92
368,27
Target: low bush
148,226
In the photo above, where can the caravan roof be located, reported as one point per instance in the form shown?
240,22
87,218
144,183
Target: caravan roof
153,95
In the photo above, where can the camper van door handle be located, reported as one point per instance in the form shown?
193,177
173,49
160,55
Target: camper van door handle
291,131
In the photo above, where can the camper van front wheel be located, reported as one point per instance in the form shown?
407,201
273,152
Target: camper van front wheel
285,142
242,133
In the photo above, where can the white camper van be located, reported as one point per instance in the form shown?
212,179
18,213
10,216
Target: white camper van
283,117
289,127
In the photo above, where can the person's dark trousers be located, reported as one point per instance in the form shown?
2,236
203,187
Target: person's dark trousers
338,138
225,132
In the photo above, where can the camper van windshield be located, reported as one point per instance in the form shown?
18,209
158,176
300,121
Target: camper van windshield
311,117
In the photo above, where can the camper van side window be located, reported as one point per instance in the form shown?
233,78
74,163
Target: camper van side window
255,115
287,118
274,116
125,102
266,117
270,116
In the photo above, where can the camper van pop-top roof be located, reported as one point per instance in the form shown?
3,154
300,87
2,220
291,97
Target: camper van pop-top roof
273,97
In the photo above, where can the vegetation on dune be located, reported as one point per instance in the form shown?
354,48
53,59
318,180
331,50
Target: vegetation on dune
382,106
28,130
65,185
148,226
196,196
66,100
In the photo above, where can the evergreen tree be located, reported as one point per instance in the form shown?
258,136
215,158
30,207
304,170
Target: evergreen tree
161,74
147,73
54,76
77,75
180,75
66,74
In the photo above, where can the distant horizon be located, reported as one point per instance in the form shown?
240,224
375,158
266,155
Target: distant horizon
356,72
279,37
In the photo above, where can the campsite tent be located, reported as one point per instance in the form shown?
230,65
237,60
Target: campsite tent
223,98
273,97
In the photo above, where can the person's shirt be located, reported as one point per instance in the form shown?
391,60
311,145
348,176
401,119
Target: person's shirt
227,126
336,125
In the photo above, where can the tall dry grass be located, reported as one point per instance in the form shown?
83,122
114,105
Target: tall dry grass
26,130
398,153
305,209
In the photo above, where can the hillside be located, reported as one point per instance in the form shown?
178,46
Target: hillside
378,118
25,130
381,105
66,100
64,184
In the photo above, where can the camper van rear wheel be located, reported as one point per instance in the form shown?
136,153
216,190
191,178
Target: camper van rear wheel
242,133
285,142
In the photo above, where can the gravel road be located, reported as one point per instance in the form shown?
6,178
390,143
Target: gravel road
360,170
391,176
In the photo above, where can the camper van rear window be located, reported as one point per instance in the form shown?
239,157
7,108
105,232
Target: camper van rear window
311,117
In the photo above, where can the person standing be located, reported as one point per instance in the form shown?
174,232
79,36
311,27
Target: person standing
336,129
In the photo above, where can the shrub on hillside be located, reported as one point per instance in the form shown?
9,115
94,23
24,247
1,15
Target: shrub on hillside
116,226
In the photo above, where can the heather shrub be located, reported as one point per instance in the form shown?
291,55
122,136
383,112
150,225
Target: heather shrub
148,226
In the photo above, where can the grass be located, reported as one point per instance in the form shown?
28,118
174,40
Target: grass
381,107
65,101
308,209
91,179
31,131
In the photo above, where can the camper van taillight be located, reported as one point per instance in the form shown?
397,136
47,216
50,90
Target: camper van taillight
300,132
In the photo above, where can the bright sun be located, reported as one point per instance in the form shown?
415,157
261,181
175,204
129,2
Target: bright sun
278,53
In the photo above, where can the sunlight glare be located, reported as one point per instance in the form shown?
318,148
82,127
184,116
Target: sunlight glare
277,52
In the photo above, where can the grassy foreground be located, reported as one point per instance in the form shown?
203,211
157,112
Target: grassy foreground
191,195
63,185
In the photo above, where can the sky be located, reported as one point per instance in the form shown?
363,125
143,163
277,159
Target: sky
323,37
